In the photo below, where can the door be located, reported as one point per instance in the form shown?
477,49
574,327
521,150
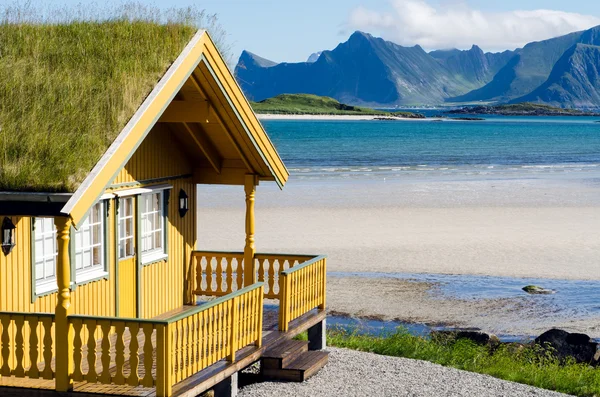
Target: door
126,298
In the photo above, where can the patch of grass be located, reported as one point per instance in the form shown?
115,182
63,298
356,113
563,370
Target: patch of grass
71,82
317,105
302,336
528,365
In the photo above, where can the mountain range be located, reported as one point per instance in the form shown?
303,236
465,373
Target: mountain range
366,70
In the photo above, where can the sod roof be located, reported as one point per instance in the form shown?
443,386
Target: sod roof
67,91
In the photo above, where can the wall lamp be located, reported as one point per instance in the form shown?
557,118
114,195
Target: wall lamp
8,236
183,203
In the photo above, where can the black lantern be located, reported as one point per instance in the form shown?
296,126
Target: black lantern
183,203
8,236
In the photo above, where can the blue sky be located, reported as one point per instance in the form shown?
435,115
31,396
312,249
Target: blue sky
284,30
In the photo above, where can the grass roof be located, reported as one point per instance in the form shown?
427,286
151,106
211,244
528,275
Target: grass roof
68,89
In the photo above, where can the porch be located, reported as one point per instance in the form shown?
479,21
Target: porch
180,353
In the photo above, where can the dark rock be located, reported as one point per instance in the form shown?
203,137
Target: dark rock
535,290
479,337
565,345
468,118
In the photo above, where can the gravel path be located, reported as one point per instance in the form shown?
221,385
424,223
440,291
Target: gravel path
353,373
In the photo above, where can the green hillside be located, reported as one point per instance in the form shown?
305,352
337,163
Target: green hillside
521,109
308,104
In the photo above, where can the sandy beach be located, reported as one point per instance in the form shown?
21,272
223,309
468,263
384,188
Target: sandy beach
544,227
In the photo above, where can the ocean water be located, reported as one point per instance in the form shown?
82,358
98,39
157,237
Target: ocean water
523,145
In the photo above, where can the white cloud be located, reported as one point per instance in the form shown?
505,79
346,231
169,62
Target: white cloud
457,25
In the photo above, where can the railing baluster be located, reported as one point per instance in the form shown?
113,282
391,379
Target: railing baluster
91,375
119,378
77,350
178,353
209,275
33,371
220,275
271,277
198,262
261,270
204,349
148,381
48,373
134,359
19,322
229,278
105,355
195,340
239,273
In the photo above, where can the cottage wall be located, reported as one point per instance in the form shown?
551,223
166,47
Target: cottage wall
158,160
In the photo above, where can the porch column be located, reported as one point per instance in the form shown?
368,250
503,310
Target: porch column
249,249
63,332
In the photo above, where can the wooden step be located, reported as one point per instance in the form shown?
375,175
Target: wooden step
299,370
283,354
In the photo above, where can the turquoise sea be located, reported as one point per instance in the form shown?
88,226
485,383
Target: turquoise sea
521,145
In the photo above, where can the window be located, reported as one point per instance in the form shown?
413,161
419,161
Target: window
89,246
126,239
45,253
152,227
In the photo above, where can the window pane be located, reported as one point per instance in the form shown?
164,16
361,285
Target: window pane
39,248
128,228
49,269
96,256
157,240
39,271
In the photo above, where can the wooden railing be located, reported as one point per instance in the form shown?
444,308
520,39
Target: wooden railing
221,273
112,350
270,266
215,331
218,273
161,353
302,289
27,341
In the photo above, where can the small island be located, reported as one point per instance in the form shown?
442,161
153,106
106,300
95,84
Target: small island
521,109
308,104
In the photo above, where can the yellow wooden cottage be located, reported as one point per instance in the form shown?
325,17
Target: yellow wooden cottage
101,287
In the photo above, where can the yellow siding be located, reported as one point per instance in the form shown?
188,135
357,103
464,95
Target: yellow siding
95,298
162,283
158,156
162,286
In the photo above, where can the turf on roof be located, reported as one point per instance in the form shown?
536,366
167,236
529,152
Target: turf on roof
66,91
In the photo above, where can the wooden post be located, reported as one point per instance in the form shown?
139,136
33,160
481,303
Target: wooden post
249,249
63,331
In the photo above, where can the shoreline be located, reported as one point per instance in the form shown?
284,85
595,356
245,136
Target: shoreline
521,227
341,117
418,302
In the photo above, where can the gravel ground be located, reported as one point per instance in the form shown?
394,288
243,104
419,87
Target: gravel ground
353,373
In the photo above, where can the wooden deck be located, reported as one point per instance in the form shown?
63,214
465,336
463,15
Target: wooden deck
190,387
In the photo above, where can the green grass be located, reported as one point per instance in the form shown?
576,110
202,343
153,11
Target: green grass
69,86
528,365
317,105
529,106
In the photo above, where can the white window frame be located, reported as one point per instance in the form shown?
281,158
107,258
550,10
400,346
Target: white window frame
154,254
95,271
122,224
46,284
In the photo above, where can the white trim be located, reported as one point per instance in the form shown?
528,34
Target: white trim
45,287
83,276
154,256
106,158
107,196
142,190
